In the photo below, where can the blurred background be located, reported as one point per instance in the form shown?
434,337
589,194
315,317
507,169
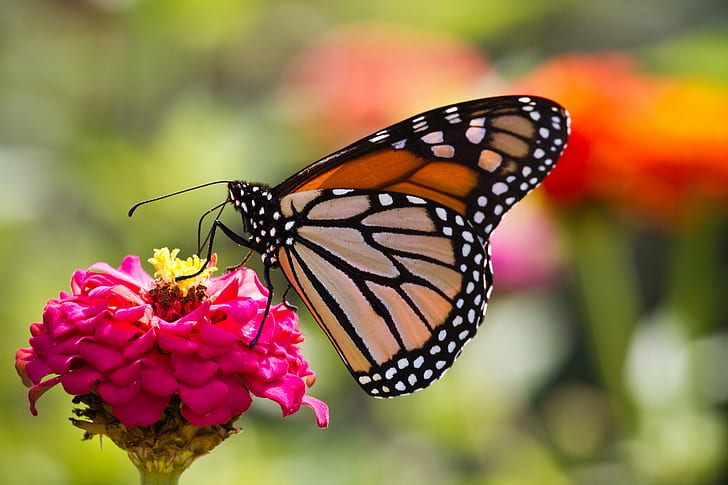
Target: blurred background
602,359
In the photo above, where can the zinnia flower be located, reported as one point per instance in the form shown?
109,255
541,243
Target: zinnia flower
140,345
652,144
360,78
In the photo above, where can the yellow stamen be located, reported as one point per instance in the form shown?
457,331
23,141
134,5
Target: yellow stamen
169,267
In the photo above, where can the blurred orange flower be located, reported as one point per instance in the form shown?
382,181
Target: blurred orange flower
655,145
361,78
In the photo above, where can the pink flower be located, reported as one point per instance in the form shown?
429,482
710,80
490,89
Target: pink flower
137,342
526,248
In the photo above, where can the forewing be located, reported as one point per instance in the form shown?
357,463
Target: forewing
478,158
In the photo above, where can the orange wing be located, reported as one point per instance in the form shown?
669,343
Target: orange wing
477,158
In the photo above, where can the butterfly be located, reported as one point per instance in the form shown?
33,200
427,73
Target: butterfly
386,240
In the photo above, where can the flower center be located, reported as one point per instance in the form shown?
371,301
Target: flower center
171,298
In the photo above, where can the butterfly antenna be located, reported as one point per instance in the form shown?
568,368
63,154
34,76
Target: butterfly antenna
134,207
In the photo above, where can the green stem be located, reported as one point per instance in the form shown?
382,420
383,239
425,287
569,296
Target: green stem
610,295
697,276
147,477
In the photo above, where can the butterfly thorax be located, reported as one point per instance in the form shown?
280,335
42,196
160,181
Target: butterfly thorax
262,219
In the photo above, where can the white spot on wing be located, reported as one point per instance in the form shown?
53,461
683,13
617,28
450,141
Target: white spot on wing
475,134
377,138
499,188
416,200
433,137
385,199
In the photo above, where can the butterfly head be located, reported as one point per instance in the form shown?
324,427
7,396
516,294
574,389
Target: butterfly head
259,215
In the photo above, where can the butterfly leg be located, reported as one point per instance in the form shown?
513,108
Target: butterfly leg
290,306
269,286
236,238
200,242
230,269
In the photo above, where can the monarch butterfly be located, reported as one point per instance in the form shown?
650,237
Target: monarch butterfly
386,240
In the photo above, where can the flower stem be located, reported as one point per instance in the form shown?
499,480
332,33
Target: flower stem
696,278
610,295
147,477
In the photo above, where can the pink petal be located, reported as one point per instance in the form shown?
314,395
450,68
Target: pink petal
130,272
211,335
123,295
239,399
188,322
22,358
37,329
115,332
176,345
272,368
320,409
251,285
216,416
126,374
177,327
159,379
38,390
240,283
192,370
205,398
60,364
130,314
237,313
36,370
287,392
144,410
103,357
209,352
70,343
240,360
225,287
141,345
75,315
116,395
132,266
44,345
81,381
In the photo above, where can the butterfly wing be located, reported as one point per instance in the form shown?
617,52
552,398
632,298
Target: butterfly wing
398,283
477,158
